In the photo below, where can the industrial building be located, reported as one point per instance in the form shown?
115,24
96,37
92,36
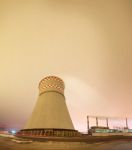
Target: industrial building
50,116
99,130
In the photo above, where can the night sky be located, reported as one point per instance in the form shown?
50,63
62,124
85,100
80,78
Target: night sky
87,43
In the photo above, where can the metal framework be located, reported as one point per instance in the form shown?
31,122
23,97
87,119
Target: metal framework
97,118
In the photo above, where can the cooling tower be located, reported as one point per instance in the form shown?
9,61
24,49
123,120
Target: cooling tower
50,116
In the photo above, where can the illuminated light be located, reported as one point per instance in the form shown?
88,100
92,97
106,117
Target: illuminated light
13,131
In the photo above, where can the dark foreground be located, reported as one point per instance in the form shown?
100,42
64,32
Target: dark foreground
8,144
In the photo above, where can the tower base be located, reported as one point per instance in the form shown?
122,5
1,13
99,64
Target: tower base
47,132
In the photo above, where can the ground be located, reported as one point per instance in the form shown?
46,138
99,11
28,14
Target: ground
8,144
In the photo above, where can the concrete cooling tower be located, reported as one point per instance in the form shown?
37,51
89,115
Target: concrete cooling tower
50,116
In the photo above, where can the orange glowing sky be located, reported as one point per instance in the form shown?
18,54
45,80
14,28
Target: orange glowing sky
87,43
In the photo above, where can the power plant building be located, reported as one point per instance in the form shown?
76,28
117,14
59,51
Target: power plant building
50,116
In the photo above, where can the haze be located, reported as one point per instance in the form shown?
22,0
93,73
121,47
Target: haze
87,43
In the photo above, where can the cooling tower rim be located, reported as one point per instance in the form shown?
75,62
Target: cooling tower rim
49,91
52,78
